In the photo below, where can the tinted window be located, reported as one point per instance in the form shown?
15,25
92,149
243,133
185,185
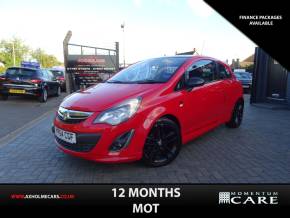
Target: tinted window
21,73
50,75
57,73
45,74
39,73
204,69
157,70
223,71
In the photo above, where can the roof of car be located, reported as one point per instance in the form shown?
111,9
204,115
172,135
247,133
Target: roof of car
195,56
187,56
56,69
28,68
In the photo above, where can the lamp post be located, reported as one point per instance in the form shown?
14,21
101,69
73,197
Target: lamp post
13,54
123,29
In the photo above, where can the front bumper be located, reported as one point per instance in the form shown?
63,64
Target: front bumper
85,142
95,140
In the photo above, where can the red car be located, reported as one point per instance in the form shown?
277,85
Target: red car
148,110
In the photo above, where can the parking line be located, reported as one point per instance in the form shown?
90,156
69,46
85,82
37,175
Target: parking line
11,136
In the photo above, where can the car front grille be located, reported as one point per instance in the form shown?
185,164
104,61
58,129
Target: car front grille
72,116
70,121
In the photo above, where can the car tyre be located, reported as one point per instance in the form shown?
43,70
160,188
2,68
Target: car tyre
43,97
58,92
162,144
237,115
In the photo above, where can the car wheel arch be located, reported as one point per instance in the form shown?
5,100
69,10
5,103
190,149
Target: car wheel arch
233,104
46,88
231,122
174,119
170,117
240,99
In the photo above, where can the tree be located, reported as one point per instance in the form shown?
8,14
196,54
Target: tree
2,69
15,47
44,59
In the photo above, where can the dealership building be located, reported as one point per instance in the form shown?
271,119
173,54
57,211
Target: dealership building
271,81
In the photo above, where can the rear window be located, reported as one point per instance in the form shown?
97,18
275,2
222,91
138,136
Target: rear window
243,75
56,73
21,73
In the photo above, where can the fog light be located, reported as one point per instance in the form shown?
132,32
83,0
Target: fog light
122,141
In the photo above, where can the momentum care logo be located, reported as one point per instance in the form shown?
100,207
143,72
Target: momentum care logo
248,198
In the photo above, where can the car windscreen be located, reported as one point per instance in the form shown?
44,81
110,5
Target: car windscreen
20,73
157,70
57,73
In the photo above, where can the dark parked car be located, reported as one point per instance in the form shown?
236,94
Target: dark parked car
29,81
58,73
245,78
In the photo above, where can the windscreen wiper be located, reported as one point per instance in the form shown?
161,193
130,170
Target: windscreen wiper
114,81
149,81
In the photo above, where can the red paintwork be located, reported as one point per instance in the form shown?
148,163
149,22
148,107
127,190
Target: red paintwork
204,108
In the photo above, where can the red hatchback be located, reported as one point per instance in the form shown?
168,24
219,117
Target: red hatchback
148,110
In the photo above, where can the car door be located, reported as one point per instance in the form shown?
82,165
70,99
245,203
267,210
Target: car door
51,87
226,82
54,83
202,105
47,82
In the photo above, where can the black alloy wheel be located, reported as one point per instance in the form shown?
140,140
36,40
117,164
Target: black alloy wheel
162,144
237,115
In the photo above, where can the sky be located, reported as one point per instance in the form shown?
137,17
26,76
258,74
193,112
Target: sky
152,27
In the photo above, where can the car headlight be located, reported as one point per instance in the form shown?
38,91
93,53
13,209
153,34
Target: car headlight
119,113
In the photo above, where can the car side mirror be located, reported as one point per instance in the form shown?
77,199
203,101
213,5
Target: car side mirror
194,82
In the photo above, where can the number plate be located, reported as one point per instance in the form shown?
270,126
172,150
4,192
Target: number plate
17,91
69,137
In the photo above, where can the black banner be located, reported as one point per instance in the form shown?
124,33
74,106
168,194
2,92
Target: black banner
147,199
265,22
